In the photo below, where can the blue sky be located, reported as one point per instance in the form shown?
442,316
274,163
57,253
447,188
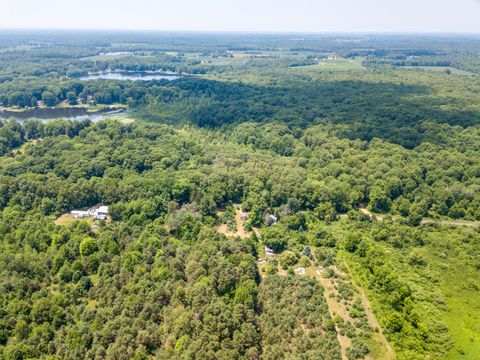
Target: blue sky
246,15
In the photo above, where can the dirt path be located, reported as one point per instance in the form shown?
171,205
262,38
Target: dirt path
369,213
339,308
334,307
373,322
365,211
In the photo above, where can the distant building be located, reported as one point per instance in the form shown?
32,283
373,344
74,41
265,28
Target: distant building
102,210
244,217
268,252
97,213
101,213
270,220
80,214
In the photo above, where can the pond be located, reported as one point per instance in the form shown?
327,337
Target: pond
47,114
135,76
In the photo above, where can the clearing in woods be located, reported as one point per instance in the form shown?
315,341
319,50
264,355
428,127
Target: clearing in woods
342,308
366,211
240,218
66,219
337,64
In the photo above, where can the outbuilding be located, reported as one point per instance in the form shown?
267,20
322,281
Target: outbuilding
80,214
268,252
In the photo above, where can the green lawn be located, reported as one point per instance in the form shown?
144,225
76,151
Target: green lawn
336,65
437,69
460,288
107,57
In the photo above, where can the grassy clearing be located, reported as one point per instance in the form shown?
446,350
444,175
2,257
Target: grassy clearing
454,302
107,57
335,65
124,119
460,287
243,55
21,149
67,219
240,232
437,69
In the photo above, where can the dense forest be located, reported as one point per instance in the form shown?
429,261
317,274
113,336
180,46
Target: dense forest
281,199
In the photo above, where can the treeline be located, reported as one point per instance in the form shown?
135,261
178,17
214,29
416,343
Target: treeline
14,134
123,293
28,93
364,106
303,170
366,109
160,281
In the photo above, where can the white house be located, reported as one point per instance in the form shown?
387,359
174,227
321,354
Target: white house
100,213
102,210
80,214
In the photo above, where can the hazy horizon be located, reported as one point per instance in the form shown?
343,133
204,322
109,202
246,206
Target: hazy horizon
239,32
261,16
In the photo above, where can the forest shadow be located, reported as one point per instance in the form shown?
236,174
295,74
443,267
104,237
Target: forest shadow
382,110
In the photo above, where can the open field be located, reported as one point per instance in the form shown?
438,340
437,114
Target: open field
240,226
461,290
334,65
437,69
104,57
67,219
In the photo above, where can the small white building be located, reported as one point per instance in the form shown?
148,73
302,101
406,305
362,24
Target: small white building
268,252
80,214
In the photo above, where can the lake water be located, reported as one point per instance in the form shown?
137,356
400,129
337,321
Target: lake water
47,114
135,76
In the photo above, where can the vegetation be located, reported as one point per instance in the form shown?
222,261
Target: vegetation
337,156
